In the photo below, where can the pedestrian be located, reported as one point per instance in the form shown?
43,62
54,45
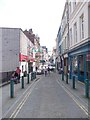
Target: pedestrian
45,71
14,77
18,71
48,70
36,69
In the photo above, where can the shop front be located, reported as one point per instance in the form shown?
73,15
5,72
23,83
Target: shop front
23,59
79,61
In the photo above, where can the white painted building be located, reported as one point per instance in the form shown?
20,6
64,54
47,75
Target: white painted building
79,24
13,51
75,38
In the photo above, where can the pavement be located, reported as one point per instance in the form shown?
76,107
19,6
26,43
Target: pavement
78,93
5,83
7,102
37,103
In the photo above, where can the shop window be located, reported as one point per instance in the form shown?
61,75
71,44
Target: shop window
75,65
70,35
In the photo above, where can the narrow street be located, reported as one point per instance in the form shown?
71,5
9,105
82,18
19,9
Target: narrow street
47,99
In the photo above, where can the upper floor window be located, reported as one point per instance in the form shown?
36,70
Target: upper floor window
74,4
75,32
70,35
82,26
70,10
65,42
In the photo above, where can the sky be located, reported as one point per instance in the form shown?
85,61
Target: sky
43,16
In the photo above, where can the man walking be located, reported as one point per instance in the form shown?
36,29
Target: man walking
18,71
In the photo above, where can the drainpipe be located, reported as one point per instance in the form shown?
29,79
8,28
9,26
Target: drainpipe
67,42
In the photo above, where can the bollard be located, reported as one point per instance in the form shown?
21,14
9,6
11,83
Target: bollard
87,88
22,82
12,88
28,78
34,75
62,76
31,76
73,82
67,78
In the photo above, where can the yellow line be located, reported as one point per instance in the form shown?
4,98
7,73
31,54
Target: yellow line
16,111
75,100
81,82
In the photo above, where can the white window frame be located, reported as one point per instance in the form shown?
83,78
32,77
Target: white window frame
74,3
70,9
70,36
75,32
82,26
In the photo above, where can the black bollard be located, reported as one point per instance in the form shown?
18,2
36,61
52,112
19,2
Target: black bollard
28,78
12,88
62,76
22,82
67,78
73,82
87,88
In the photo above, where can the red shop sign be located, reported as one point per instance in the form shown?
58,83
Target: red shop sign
23,57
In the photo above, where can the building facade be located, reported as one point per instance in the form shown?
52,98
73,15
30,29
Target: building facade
17,50
79,35
74,45
14,51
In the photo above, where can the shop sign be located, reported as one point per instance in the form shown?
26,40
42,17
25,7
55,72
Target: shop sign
23,57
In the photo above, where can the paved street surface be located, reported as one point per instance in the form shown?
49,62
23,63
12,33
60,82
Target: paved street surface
45,98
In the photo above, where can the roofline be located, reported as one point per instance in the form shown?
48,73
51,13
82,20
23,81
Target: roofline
10,28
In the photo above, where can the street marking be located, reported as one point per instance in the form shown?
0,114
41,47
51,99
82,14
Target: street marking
75,100
81,82
16,111
75,95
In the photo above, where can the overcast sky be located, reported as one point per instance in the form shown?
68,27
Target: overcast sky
43,16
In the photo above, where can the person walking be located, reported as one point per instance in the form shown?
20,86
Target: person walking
14,77
48,70
18,71
45,71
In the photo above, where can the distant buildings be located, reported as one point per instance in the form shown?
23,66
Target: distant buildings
73,40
